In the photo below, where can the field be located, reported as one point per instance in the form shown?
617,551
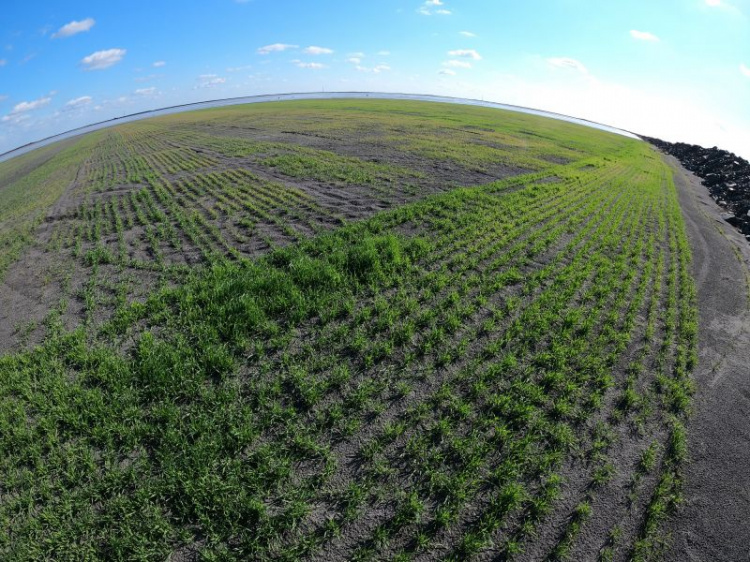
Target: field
343,330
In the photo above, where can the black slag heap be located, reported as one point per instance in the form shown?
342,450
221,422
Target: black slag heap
726,176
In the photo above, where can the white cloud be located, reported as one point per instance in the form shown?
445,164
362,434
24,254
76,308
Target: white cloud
3,97
384,53
355,58
729,8
565,62
103,59
312,65
275,48
73,28
457,63
20,111
210,81
25,106
375,69
313,50
467,33
447,72
159,64
78,102
15,119
465,53
145,91
147,78
643,35
3,62
745,70
428,8
239,68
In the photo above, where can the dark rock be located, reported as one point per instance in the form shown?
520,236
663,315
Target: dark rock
726,175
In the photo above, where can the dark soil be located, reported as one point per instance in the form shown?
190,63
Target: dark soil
713,523
369,146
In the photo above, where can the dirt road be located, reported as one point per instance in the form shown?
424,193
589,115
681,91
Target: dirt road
713,524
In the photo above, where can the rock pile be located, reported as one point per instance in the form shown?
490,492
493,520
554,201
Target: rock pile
726,176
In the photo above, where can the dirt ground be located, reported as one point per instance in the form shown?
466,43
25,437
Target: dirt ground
713,522
41,277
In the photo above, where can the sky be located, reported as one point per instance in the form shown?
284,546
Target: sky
675,69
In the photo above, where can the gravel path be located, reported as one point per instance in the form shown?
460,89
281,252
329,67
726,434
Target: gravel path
713,524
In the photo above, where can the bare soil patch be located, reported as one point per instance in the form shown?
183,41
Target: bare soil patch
372,146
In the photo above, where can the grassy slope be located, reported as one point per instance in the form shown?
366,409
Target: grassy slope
419,382
28,190
154,196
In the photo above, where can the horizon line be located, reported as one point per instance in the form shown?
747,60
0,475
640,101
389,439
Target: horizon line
29,146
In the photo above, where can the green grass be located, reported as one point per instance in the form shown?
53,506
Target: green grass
27,198
415,383
326,166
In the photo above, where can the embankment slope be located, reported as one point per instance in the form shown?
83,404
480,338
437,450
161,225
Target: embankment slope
713,523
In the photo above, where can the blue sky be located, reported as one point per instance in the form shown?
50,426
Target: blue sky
678,69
